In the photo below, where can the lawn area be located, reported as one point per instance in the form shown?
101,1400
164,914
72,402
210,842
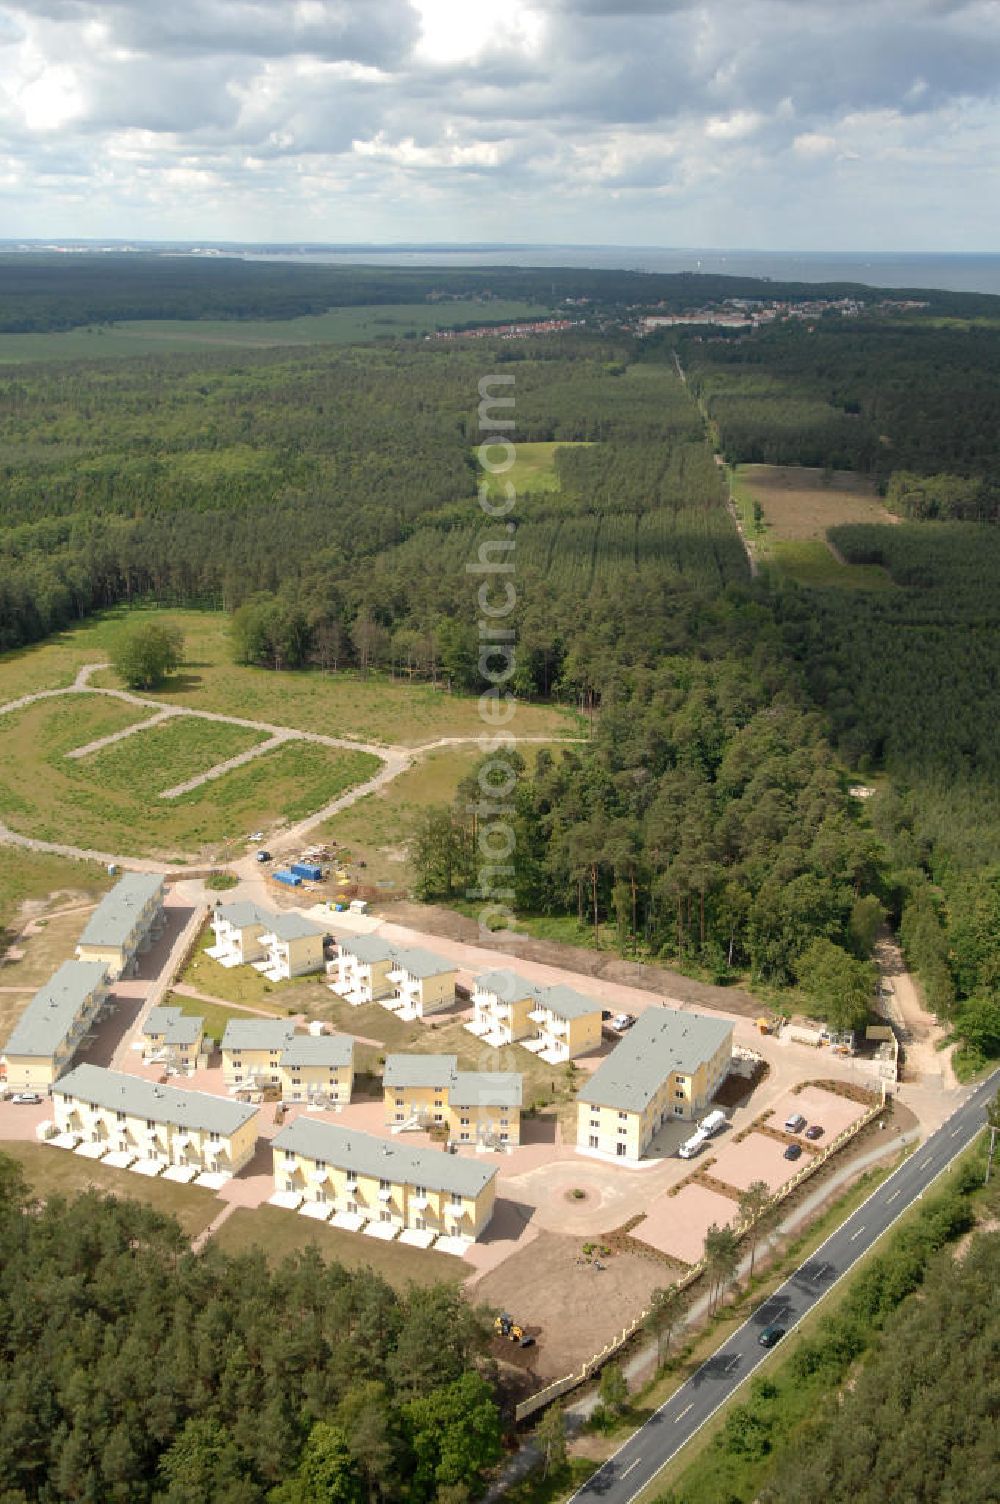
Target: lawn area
279,1234
56,1172
241,984
812,563
533,470
31,877
109,800
215,1016
338,326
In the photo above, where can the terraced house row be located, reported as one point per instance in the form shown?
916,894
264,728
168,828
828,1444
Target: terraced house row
280,945
58,1018
360,1182
408,980
139,1121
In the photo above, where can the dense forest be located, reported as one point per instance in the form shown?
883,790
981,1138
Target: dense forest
877,395
42,291
133,1370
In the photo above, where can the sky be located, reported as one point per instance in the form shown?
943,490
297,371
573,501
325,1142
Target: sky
766,124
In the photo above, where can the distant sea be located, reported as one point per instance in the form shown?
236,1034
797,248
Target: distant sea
949,272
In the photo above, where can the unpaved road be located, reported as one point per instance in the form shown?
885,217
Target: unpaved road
906,1010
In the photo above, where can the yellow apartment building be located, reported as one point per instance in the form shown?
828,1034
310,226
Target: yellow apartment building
158,1124
252,1049
294,947
555,1023
48,1033
363,1180
424,982
667,1067
363,966
174,1037
476,1107
239,929
124,924
317,1068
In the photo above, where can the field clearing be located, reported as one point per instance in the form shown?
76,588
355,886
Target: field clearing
56,1172
243,985
798,507
280,1234
31,880
375,708
338,326
214,1016
110,800
534,468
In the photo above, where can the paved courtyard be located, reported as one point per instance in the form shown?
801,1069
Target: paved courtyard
677,1225
832,1112
757,1157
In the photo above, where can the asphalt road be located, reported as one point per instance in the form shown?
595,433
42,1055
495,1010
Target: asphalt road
635,1465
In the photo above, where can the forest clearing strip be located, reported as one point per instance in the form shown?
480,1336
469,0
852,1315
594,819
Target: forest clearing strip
221,768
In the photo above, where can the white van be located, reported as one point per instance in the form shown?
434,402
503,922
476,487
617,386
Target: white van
692,1145
713,1124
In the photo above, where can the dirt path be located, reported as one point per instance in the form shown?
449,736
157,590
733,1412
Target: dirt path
903,1006
603,964
221,768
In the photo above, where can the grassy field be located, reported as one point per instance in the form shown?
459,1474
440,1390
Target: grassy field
109,800
798,507
214,1016
338,326
56,1172
279,1234
533,470
372,709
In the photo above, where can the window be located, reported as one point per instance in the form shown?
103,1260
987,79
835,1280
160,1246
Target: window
296,1080
119,1117
595,1122
384,1216
678,1112
504,1122
464,1122
678,1094
463,1138
439,1117
622,1132
504,1137
214,1138
321,1164
593,1141
621,1150
399,1117
623,1116
150,1123
385,1185
420,1190
420,1223
289,1156
438,1101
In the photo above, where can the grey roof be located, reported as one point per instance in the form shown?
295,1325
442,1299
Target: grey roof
243,912
485,1089
145,1099
49,1016
507,985
660,1042
112,921
366,948
319,1049
292,926
386,1159
419,1070
423,963
257,1034
566,1002
175,1026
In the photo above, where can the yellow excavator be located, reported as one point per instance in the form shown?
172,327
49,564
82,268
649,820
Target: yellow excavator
505,1326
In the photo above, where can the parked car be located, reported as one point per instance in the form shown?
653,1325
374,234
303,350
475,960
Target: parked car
795,1123
623,1021
814,1132
26,1098
263,856
771,1336
794,1151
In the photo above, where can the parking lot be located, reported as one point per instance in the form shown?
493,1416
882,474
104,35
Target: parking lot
676,1225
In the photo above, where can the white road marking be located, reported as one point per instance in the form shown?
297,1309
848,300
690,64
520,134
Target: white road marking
855,1235
893,1196
631,1466
684,1412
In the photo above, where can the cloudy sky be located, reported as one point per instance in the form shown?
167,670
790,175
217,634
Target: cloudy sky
800,124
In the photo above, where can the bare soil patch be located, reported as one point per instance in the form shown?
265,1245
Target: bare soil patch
802,503
573,1310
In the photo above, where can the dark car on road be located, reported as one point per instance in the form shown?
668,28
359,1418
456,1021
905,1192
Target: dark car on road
771,1336
263,856
794,1151
814,1132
